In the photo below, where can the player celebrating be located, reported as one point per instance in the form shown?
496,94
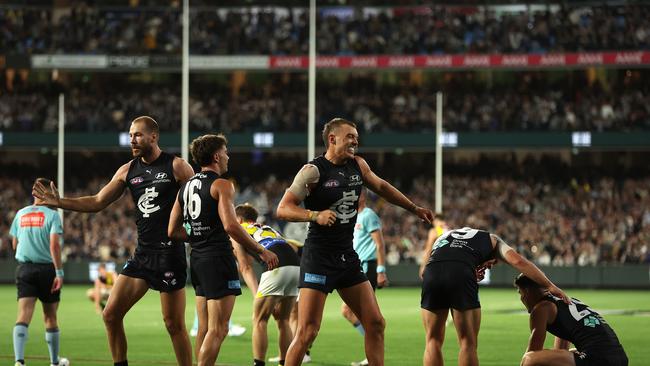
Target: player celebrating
450,282
278,287
36,238
153,177
330,186
575,323
204,213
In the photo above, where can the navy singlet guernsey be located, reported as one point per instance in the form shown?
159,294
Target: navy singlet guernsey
338,189
582,326
201,216
153,188
465,245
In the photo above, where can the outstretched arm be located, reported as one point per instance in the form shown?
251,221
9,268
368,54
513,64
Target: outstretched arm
107,195
390,193
523,265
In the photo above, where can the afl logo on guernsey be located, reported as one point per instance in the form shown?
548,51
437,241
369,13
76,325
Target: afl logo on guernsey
136,180
144,203
331,183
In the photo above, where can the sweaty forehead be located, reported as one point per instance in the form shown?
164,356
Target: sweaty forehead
345,130
138,127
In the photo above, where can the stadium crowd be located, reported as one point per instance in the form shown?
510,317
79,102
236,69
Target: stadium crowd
92,29
565,221
279,103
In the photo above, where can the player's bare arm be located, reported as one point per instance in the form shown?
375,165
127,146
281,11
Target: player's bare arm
432,235
510,256
55,252
182,170
543,313
560,343
14,243
289,207
175,229
390,193
107,195
223,192
378,238
245,266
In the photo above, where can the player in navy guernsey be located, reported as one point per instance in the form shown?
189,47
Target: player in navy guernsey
204,214
330,186
595,341
458,260
153,177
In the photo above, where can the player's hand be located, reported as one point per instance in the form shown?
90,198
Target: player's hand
557,292
480,273
56,284
382,280
326,218
270,259
49,195
424,214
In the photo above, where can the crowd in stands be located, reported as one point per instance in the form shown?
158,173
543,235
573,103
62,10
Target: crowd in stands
553,219
280,104
282,30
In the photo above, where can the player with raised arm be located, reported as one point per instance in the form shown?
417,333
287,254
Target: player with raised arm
153,177
458,259
575,322
205,215
330,186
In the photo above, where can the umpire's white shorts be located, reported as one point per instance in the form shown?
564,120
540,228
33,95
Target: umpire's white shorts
282,281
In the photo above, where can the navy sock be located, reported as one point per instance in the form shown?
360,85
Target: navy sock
257,362
121,363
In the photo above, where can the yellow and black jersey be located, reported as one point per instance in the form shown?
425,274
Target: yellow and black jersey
272,240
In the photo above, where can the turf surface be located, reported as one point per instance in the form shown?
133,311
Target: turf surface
502,340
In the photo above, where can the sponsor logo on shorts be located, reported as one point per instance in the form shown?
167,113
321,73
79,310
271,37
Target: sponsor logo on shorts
315,278
331,183
136,180
233,285
169,274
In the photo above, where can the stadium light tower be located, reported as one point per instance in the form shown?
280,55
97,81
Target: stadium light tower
438,187
185,89
311,118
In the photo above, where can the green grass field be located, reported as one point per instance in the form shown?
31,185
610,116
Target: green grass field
503,337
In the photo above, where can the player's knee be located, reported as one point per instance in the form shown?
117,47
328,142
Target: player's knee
174,325
468,344
50,320
308,333
528,359
376,325
111,317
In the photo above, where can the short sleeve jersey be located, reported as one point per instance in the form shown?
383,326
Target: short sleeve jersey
32,227
153,188
367,223
201,216
338,189
271,239
582,326
466,245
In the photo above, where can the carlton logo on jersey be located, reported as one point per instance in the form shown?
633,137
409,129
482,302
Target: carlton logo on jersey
144,203
345,208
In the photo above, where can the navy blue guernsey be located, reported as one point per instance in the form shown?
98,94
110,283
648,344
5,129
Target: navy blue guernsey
338,189
153,188
582,326
465,245
201,216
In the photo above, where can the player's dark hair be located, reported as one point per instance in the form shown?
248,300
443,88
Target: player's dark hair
522,281
152,125
44,181
204,147
334,124
246,212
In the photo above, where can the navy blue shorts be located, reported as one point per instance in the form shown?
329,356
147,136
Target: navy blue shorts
326,270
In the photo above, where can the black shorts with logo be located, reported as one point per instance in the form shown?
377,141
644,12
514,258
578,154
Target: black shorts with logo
327,270
449,285
35,280
215,277
164,271
601,357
